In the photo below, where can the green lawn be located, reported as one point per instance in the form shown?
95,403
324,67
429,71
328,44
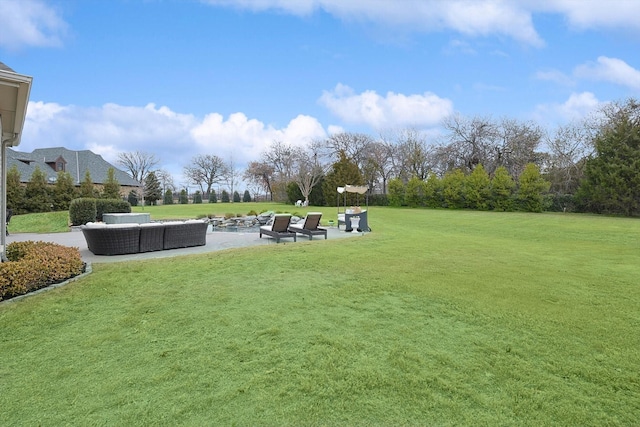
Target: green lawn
436,317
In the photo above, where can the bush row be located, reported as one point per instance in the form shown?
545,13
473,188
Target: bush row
34,265
86,209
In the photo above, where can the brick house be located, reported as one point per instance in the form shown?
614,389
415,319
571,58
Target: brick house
76,163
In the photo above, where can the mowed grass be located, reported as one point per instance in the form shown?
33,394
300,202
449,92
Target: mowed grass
435,318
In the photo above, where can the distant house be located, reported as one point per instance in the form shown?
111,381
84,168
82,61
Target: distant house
52,160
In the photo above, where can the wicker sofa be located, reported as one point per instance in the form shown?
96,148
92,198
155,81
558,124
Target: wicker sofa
119,239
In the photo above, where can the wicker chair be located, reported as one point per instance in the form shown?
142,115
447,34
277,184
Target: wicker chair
310,226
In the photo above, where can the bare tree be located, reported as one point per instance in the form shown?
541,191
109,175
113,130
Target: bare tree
204,171
138,163
166,180
308,170
231,175
260,174
354,145
569,148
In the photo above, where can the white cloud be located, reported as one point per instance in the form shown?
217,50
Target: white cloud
611,70
473,18
30,23
578,106
173,137
555,76
388,111
583,14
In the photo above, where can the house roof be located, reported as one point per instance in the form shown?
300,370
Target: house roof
5,67
77,163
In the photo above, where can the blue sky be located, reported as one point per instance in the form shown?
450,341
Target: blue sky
179,78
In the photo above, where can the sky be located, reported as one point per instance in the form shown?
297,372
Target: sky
180,78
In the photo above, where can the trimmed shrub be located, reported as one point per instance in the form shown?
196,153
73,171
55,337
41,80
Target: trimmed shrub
225,197
236,197
197,198
246,197
35,265
212,197
82,211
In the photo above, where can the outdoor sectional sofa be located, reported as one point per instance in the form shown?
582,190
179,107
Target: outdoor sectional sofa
119,239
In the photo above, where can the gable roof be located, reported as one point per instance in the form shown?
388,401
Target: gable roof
77,163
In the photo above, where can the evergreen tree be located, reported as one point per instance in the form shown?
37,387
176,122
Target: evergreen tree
246,197
212,197
236,197
197,198
15,191
612,176
225,197
453,187
478,189
531,189
111,187
184,197
86,186
132,198
343,172
168,197
502,186
64,191
36,195
433,191
152,189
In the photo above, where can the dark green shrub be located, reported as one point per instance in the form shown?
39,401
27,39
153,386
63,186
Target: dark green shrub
236,197
212,197
197,198
82,211
35,265
225,197
184,197
168,197
378,200
132,198
111,206
246,197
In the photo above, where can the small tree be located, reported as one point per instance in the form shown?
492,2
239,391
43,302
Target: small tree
64,191
478,189
111,187
236,197
36,194
15,191
168,197
152,189
453,185
197,198
132,198
225,197
212,197
246,197
184,197
86,186
502,186
531,189
433,191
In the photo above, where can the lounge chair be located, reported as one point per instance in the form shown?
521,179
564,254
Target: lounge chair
310,226
279,228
